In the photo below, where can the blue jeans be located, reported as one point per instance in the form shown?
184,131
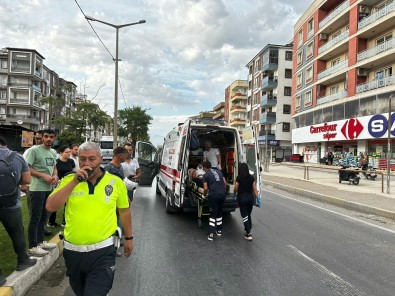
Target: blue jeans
38,217
13,224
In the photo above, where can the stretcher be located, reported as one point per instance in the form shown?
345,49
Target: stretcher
197,194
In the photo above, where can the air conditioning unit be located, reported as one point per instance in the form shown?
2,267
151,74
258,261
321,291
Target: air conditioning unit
322,36
364,9
362,72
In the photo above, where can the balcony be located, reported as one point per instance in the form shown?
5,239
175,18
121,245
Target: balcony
237,121
387,9
219,115
238,108
269,136
331,70
270,66
238,96
370,52
333,97
374,84
25,118
268,100
269,83
338,10
268,118
333,42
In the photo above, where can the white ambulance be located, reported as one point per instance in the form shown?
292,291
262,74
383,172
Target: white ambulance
183,149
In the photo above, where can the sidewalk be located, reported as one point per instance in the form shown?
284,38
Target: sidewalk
19,282
323,184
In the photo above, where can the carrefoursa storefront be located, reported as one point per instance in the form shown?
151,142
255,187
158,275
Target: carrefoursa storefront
365,134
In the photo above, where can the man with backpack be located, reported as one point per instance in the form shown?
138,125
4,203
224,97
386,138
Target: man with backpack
14,171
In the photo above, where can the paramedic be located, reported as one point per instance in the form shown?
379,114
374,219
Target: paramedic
215,185
212,155
92,196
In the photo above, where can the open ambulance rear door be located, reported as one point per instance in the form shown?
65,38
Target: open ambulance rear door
250,148
148,159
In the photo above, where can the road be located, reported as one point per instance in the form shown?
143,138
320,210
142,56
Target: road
298,249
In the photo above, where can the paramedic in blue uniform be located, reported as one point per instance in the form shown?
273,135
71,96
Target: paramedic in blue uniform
214,185
92,196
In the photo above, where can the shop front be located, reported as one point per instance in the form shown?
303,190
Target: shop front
367,135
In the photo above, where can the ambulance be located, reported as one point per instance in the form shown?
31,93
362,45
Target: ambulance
183,149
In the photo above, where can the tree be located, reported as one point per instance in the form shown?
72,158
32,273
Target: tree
133,123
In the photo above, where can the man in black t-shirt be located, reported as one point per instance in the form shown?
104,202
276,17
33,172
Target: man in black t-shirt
215,185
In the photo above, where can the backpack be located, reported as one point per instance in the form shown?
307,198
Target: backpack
9,184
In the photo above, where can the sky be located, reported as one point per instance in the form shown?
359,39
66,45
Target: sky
175,65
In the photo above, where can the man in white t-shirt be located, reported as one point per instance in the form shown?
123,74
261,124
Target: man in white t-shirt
212,155
74,156
131,168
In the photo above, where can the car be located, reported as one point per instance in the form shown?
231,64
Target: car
296,158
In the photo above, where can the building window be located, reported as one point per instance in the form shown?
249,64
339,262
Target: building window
287,91
335,62
308,98
384,73
2,110
333,89
299,80
286,109
336,34
297,102
310,50
288,73
256,66
310,26
309,74
300,38
3,95
4,64
299,57
286,126
288,55
383,39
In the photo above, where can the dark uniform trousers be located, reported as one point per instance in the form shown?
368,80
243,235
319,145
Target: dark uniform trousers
216,204
90,273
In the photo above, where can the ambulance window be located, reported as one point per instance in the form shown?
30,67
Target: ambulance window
251,159
181,154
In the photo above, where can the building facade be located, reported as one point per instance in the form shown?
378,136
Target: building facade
343,57
269,99
236,104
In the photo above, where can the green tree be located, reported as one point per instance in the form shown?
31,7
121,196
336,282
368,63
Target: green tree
133,123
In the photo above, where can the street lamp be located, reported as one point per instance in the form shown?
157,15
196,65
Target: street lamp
117,27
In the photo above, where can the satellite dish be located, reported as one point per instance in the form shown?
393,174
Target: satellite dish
19,121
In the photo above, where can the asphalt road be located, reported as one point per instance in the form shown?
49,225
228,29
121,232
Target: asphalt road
298,249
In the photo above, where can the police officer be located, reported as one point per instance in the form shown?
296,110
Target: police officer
215,185
92,196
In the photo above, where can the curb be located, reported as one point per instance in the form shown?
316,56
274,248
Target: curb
19,282
333,200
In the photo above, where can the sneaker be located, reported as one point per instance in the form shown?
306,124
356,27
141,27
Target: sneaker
63,225
37,252
211,237
248,237
52,224
219,233
29,263
47,246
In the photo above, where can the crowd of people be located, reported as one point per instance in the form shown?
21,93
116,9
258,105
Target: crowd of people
52,180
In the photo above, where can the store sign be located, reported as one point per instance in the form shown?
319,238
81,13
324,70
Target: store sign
366,127
269,142
378,125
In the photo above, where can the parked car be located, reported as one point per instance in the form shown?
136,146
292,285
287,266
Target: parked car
296,158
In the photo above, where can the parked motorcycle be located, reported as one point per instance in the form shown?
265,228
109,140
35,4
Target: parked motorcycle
350,176
368,175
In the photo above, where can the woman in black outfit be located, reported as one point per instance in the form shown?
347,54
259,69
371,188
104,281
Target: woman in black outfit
246,188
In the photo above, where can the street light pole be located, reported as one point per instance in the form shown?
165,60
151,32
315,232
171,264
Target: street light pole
117,27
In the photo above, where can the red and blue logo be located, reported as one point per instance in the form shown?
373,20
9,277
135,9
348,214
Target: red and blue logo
352,128
378,125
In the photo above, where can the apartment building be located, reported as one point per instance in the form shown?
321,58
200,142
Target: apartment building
236,104
269,99
219,110
343,57
21,77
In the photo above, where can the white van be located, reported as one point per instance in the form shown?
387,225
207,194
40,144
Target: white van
177,158
106,144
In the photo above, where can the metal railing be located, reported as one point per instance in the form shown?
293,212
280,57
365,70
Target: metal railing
336,96
338,10
340,66
387,9
334,41
370,52
374,84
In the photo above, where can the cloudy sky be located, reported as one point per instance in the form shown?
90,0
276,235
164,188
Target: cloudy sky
175,65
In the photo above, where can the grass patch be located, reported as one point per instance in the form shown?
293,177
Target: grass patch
7,254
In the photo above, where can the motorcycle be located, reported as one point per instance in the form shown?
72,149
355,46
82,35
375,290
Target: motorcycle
350,176
368,175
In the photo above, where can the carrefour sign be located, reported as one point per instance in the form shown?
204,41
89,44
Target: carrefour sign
366,127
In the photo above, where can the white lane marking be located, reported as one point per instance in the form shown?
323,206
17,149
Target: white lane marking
333,212
335,282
